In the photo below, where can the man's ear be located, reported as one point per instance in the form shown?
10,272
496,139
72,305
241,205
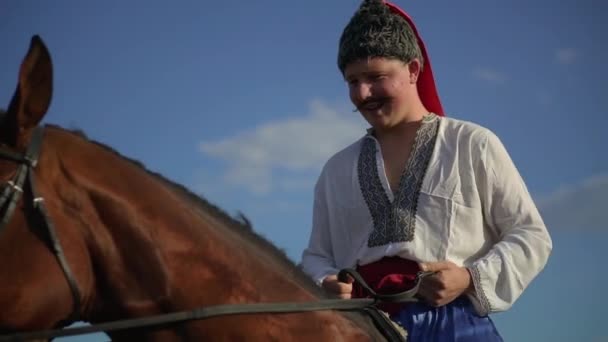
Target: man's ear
415,68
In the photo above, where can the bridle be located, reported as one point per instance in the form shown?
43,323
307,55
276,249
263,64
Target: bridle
12,190
24,180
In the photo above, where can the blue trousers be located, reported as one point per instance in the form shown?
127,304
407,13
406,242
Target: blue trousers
456,321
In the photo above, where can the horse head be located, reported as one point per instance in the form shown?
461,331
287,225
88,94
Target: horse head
30,272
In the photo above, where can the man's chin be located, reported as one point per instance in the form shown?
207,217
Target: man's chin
379,123
375,116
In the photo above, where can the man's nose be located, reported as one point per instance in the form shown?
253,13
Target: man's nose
360,91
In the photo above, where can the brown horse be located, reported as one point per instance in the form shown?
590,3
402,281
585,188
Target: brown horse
132,243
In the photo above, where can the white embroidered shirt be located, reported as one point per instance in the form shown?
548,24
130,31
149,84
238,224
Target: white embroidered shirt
461,199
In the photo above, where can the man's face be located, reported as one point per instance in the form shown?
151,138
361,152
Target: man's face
381,89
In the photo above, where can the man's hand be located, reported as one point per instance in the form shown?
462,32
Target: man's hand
332,285
448,282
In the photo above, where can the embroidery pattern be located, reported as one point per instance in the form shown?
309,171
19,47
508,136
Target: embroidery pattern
396,222
481,295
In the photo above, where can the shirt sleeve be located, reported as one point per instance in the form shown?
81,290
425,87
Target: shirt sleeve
318,258
524,244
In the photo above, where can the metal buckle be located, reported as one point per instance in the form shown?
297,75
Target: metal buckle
14,186
38,201
31,162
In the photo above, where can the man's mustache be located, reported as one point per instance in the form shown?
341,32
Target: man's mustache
359,106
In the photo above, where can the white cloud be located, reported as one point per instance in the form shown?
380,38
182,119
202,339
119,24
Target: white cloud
578,207
296,145
566,55
489,75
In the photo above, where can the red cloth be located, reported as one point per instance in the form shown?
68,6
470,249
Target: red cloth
387,276
426,82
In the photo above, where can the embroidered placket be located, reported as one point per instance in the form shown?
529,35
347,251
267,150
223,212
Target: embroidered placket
396,222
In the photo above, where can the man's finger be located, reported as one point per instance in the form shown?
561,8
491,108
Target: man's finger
432,282
435,266
339,287
345,288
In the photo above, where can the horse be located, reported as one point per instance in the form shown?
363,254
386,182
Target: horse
90,235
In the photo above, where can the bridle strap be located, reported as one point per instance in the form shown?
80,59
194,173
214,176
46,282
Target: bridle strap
11,194
13,191
57,249
14,156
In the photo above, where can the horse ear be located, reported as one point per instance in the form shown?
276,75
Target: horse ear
32,96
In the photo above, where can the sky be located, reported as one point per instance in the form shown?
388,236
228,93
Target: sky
242,102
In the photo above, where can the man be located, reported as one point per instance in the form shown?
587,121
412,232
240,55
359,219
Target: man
420,191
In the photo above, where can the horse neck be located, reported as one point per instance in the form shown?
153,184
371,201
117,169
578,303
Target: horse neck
154,250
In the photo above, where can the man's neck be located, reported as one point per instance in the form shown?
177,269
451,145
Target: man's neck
404,130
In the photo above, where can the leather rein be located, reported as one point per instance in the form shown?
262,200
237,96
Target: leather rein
23,180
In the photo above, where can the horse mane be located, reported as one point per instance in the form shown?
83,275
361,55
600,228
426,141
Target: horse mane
242,225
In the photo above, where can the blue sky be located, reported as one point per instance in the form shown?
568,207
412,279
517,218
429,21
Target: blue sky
242,102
